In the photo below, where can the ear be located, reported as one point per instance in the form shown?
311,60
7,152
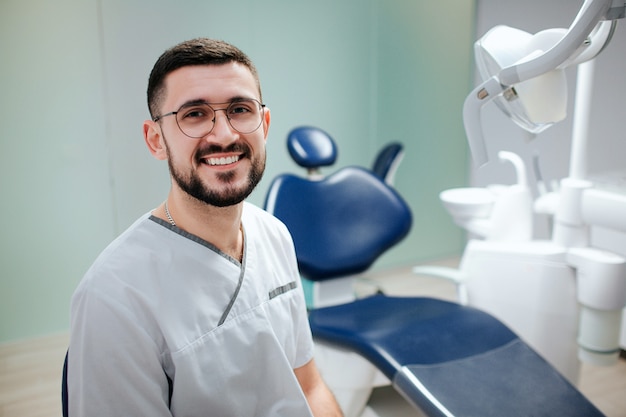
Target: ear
266,121
154,139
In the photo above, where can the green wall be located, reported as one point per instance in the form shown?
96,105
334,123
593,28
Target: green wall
424,67
74,168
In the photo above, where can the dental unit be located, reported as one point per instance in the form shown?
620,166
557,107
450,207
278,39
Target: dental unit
562,295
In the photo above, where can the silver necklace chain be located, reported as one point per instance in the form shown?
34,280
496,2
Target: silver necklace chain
169,216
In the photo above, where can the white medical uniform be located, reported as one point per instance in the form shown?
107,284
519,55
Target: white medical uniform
165,324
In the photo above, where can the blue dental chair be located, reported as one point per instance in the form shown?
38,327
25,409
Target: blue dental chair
443,358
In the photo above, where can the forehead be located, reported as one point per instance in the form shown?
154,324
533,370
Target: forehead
211,83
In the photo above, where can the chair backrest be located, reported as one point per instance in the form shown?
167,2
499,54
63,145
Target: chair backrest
341,223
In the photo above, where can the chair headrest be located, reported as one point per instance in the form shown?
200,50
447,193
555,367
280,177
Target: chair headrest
311,147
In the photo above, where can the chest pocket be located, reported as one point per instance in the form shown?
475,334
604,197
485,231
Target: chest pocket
283,289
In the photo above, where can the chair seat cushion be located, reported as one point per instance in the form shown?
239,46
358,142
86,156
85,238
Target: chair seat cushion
448,359
392,332
511,381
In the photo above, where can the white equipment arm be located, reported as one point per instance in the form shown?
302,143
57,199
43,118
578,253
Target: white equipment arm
579,44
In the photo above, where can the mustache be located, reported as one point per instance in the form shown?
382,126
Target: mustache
237,147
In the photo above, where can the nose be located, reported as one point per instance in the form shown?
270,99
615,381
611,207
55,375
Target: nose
221,127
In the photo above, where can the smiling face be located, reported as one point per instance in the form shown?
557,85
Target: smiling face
224,166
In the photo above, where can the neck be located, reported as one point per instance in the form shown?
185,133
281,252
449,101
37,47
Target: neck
221,226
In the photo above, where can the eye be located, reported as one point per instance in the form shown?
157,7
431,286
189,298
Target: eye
195,113
241,108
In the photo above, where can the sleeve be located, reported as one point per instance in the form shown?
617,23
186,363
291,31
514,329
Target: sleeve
302,329
114,366
305,348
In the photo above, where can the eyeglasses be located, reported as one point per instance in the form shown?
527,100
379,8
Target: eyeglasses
197,119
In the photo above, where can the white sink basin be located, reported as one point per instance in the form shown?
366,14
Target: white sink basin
468,202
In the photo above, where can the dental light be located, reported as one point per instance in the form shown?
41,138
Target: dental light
524,73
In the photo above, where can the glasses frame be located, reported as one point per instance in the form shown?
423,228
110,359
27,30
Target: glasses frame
210,105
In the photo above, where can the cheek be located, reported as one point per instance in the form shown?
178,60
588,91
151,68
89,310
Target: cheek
182,152
260,144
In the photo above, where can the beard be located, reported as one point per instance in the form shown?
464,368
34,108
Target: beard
225,193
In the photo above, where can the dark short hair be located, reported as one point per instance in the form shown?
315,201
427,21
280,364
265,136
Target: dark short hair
199,51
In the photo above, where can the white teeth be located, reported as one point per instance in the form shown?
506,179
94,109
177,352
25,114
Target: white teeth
223,160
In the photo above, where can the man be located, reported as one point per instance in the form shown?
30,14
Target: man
197,309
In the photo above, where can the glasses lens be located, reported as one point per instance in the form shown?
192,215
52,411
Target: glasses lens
245,115
196,121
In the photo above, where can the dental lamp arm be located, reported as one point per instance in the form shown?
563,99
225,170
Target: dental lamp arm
480,96
592,12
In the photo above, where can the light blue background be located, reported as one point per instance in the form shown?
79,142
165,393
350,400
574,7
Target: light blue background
74,170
